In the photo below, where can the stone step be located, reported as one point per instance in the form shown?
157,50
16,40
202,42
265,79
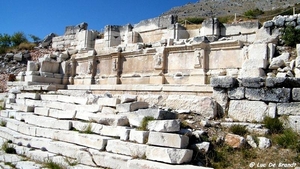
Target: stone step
139,163
110,119
64,99
168,140
169,155
164,125
47,122
34,96
20,107
133,106
126,148
112,102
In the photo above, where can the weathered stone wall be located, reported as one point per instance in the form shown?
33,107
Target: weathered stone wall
252,99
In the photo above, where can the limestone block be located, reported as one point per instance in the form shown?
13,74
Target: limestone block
51,67
110,160
112,102
108,110
126,148
124,134
268,94
135,118
138,136
83,115
48,122
125,98
129,107
251,141
223,82
62,114
221,97
264,142
34,96
201,147
168,140
255,72
23,108
32,66
258,51
169,155
296,94
164,125
243,110
235,141
27,164
253,82
72,99
294,123
139,163
206,106
113,131
272,110
20,101
237,93
255,63
110,119
292,108
41,111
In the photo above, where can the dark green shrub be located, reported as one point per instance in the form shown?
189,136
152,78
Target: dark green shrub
18,38
273,124
288,139
253,13
290,36
194,20
9,149
238,129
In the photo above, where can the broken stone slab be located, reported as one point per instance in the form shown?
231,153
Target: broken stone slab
125,98
138,136
48,122
169,155
34,96
139,163
22,108
62,114
258,51
296,94
135,118
292,108
126,148
288,82
110,119
108,110
112,102
201,147
243,110
251,141
264,142
83,115
32,66
223,82
234,141
253,82
109,160
237,93
164,125
268,94
129,107
168,140
205,106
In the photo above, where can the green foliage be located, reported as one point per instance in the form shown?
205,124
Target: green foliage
193,20
35,39
225,19
273,124
71,162
18,38
10,164
288,139
3,123
5,40
291,36
253,13
238,129
9,149
52,165
87,129
145,122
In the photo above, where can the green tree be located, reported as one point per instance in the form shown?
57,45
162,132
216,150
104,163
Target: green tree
17,38
5,40
35,39
291,36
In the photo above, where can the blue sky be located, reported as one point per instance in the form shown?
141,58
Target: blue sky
41,17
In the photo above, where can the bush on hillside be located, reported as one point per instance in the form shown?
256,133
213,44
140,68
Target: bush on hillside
253,13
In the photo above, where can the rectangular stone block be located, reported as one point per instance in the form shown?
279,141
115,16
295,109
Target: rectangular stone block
296,94
292,108
110,160
48,66
23,108
41,111
164,125
112,131
34,96
129,107
126,148
269,94
168,140
169,155
48,122
138,136
112,102
72,99
62,114
110,119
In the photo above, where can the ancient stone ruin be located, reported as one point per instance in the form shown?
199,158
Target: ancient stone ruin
107,83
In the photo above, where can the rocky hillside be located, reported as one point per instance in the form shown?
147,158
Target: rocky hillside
208,8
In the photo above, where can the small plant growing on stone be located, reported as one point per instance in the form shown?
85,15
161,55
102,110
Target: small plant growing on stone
238,129
7,148
87,129
52,165
274,125
71,162
3,123
288,139
145,122
10,164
